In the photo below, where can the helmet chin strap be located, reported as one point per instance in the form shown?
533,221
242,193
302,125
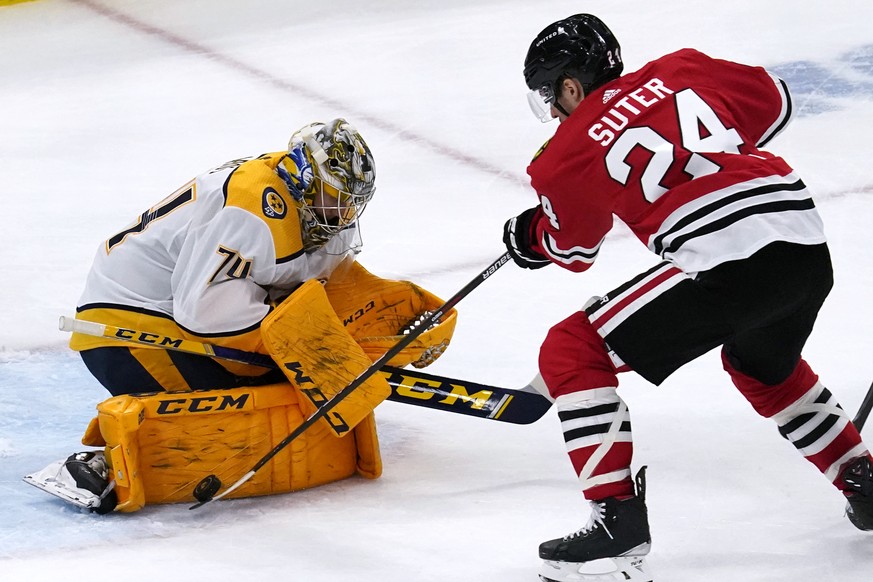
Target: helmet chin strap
560,108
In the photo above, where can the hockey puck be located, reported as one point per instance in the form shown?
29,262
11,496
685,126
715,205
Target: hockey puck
207,488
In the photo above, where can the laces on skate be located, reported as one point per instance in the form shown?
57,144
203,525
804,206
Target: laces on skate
611,546
598,513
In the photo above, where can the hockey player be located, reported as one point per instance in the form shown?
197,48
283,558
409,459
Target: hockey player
206,262
256,255
673,150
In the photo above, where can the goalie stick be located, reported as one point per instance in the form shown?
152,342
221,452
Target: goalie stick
523,406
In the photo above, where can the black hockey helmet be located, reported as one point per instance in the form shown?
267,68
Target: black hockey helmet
580,46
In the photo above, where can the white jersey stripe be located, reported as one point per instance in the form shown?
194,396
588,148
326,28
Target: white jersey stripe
735,222
577,254
619,308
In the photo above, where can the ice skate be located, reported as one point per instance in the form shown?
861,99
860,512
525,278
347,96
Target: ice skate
859,476
82,480
611,546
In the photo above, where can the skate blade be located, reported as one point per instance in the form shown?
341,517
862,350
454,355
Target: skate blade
46,481
624,569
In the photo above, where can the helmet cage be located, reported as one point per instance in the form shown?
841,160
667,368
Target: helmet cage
332,179
328,211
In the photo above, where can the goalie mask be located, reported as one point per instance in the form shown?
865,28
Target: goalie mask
331,175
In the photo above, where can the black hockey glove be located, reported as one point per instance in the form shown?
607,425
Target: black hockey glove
518,235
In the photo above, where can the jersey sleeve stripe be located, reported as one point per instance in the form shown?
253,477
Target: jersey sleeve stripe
784,115
577,254
289,258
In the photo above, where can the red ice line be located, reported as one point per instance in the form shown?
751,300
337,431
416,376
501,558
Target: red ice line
283,85
301,91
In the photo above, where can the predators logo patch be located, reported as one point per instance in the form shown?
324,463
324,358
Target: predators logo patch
273,205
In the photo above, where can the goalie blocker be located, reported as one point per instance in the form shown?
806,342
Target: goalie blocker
324,337
159,446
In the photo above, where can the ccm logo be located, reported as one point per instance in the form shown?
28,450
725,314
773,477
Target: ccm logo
359,313
203,404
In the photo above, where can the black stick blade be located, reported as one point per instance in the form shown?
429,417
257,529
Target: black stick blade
198,505
206,489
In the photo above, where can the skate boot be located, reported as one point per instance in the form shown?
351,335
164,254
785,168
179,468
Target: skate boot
610,547
82,479
859,476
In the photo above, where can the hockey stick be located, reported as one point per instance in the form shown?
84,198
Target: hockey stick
864,410
206,490
517,406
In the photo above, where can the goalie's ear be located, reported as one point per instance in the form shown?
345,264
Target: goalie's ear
375,310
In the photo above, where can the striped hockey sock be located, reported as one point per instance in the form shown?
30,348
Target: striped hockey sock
808,415
822,431
597,431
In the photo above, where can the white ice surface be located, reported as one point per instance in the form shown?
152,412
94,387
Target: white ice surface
106,107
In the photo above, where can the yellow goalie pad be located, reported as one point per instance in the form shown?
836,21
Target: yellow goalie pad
161,445
308,341
374,310
324,337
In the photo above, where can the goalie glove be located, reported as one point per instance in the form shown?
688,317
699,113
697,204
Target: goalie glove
430,354
518,236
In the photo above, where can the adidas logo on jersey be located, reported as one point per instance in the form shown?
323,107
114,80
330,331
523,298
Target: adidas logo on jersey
607,95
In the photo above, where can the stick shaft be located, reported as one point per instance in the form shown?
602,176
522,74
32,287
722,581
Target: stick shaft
145,338
864,410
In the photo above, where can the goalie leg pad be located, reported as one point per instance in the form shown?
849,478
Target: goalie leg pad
161,445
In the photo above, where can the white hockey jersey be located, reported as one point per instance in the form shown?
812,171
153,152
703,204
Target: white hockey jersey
205,260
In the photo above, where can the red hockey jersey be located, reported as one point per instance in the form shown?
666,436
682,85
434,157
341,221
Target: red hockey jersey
672,151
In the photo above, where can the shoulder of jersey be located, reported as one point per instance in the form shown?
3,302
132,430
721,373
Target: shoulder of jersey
679,60
256,188
541,150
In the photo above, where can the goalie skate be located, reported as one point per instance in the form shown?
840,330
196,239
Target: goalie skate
80,480
625,569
